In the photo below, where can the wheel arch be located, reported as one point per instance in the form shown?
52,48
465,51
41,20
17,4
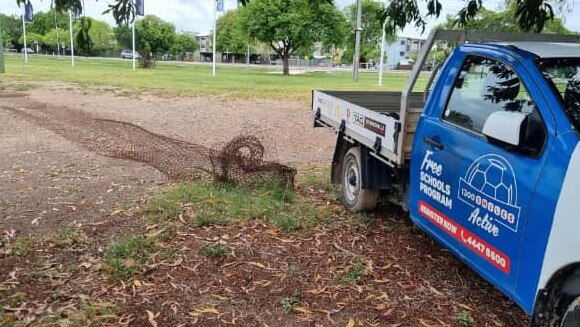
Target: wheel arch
375,174
552,300
340,150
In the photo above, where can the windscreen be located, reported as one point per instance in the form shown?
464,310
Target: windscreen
564,74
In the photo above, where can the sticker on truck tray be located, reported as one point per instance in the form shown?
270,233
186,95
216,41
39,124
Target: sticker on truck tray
375,126
466,238
368,123
489,186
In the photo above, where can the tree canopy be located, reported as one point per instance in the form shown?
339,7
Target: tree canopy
155,35
529,15
231,36
184,43
101,35
371,33
503,21
294,28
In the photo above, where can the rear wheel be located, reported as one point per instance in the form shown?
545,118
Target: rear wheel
354,196
572,316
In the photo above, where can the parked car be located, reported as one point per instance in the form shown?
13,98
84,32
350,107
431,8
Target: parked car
128,54
167,57
27,50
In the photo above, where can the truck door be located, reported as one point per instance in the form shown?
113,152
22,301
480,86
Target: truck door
468,191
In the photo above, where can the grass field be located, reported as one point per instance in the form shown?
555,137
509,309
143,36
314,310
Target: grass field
175,79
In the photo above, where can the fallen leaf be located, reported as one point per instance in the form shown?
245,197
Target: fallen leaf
351,323
151,317
302,310
273,231
155,233
317,291
129,263
461,305
385,267
205,310
317,278
427,323
257,264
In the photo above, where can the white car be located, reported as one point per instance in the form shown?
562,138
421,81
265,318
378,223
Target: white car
128,54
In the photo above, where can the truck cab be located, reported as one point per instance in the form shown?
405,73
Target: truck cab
486,161
496,164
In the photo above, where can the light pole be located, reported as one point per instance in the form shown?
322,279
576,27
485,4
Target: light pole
357,31
382,64
2,66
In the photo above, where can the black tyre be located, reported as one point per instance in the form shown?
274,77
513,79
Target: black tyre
572,316
354,196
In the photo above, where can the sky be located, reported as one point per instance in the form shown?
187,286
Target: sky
197,15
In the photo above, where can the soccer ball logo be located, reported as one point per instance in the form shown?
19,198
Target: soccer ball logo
492,175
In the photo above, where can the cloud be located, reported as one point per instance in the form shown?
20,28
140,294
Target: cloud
186,15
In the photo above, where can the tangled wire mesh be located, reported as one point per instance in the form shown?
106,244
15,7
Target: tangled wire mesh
239,161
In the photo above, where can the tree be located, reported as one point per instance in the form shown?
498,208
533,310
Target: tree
49,39
293,28
530,15
83,38
503,21
31,38
11,29
371,33
45,21
231,36
123,35
184,43
101,35
154,36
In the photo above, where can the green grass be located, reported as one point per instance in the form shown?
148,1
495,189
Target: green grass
209,204
353,273
215,250
289,304
175,79
126,256
21,246
464,319
67,236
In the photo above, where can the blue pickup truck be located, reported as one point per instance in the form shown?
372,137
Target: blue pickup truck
486,160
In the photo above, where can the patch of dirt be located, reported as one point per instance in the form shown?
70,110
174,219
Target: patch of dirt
49,182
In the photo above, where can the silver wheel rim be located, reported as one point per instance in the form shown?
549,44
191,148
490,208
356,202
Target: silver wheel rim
351,182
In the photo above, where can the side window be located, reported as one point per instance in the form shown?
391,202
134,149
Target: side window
483,86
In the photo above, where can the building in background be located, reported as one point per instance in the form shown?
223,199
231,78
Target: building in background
204,53
402,53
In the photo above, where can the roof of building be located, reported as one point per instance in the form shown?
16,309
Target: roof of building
549,49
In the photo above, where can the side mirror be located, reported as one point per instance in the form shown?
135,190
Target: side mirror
507,127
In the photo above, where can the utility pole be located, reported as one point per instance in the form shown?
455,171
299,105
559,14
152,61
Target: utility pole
24,34
2,66
57,37
72,41
382,64
357,30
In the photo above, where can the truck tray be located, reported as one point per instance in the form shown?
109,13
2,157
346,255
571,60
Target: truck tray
370,117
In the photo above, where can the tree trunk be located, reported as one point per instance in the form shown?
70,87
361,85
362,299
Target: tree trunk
286,65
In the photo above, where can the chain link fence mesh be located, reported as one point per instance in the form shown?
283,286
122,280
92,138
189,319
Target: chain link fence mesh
239,161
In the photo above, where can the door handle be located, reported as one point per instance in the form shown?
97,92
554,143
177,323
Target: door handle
438,145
